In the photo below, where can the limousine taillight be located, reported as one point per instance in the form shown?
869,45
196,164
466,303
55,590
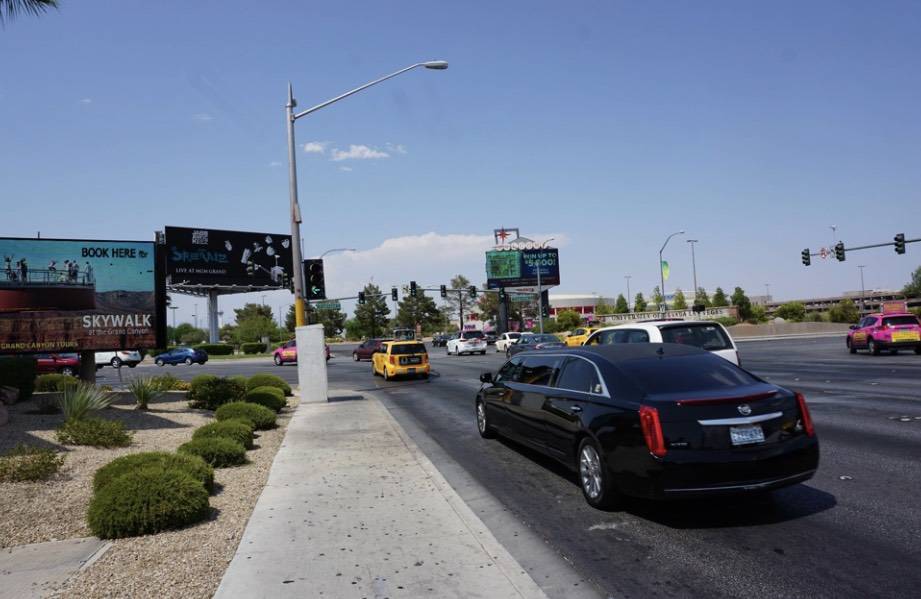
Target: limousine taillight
652,431
805,417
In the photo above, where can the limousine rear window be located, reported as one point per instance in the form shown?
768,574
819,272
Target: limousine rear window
705,336
687,374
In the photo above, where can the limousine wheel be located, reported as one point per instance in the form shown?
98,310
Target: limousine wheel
593,477
277,360
482,424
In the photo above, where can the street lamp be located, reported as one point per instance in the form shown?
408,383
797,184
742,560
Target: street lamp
693,267
290,117
863,305
628,277
661,272
337,250
540,293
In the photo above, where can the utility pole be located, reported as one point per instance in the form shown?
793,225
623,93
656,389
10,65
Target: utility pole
694,267
863,307
540,302
628,291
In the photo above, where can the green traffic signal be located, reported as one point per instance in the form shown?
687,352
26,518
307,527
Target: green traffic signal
899,243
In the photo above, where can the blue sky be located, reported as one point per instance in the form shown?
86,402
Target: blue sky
607,125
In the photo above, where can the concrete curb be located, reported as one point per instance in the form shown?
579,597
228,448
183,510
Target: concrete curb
792,336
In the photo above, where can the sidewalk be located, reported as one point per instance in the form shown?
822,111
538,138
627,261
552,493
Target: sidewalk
352,508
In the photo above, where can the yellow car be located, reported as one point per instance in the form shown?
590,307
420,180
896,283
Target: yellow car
579,336
398,358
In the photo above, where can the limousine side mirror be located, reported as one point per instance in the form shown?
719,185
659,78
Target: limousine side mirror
486,377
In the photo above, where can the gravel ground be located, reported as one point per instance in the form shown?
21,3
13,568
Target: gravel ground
181,563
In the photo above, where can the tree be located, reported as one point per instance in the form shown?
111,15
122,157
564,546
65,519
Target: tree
794,311
759,314
639,303
913,288
844,311
250,310
371,316
460,300
620,305
719,298
701,298
333,322
568,319
419,310
254,328
291,319
656,297
10,9
741,301
679,302
188,335
228,334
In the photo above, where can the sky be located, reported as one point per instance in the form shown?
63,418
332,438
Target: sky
606,125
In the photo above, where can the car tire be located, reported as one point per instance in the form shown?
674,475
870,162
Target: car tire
355,356
158,362
482,424
483,353
116,362
132,364
424,376
188,361
386,375
893,352
850,347
872,347
918,350
594,479
68,371
277,360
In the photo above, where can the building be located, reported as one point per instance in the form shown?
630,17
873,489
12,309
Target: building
583,303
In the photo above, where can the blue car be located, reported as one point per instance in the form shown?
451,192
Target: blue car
181,355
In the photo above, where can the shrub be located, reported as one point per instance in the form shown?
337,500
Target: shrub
147,501
220,452
254,348
270,397
54,382
268,380
261,417
79,400
192,465
216,349
25,463
240,431
794,311
95,432
168,382
144,391
238,378
726,321
18,372
213,392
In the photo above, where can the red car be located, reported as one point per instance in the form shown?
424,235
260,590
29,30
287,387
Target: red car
368,349
287,353
68,364
892,331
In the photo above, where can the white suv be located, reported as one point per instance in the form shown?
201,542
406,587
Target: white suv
711,336
468,342
117,359
506,340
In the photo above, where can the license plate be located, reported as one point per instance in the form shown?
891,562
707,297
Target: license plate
905,336
746,435
412,371
414,360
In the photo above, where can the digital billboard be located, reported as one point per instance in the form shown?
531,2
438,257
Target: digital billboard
216,258
71,295
518,268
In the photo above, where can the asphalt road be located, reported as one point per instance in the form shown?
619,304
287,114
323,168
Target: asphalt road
852,531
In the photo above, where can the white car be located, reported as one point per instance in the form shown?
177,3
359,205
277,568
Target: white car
117,359
505,340
468,342
711,336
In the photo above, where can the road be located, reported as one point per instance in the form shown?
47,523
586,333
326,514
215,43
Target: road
852,531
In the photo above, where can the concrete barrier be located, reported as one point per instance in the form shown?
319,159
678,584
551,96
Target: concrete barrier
788,329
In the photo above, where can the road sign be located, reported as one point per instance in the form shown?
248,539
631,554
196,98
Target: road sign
522,298
327,305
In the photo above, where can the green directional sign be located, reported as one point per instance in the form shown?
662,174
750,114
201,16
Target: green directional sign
328,305
522,298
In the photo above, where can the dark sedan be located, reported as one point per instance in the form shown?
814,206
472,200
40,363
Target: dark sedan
367,349
653,420
181,355
539,341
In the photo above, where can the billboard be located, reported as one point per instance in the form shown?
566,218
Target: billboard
518,268
61,295
216,258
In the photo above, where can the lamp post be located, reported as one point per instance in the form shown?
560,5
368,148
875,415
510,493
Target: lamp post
863,306
661,272
628,277
540,294
323,255
694,267
174,308
290,118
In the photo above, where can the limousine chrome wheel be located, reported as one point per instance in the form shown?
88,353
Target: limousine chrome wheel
481,423
595,487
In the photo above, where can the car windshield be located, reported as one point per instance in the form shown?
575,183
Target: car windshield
545,339
686,374
895,321
514,335
705,336
408,348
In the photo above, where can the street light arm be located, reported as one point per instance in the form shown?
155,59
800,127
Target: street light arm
356,90
667,239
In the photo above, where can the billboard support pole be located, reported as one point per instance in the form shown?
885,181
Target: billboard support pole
88,366
212,316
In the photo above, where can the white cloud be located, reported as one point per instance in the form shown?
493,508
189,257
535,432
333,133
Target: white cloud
86,100
357,152
203,117
395,148
345,169
316,147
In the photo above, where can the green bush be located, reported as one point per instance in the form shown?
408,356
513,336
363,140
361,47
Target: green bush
270,397
192,465
726,321
793,311
25,463
253,348
95,432
217,451
168,382
144,391
147,501
261,417
54,382
216,349
238,378
210,393
240,431
18,372
268,380
77,401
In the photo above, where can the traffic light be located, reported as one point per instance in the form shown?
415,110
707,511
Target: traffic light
361,297
806,259
316,282
544,299
472,290
839,251
412,289
900,243
393,294
444,291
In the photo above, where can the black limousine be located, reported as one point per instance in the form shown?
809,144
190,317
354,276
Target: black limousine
653,420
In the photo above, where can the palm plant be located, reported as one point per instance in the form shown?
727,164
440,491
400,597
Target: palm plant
79,400
10,9
145,390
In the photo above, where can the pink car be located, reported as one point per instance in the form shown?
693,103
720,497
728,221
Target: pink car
892,331
287,353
